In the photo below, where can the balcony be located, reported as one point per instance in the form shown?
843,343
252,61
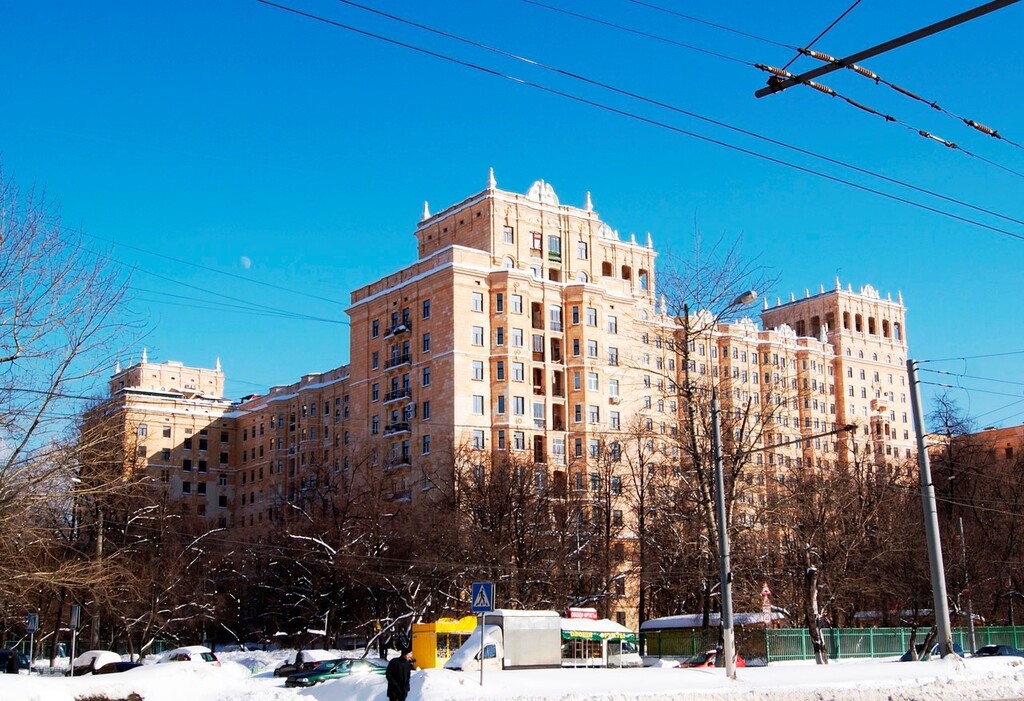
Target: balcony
396,427
397,360
397,462
396,394
404,326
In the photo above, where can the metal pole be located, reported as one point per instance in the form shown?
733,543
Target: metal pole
931,519
967,587
483,630
724,568
778,86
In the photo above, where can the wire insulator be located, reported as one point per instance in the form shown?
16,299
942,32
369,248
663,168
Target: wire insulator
821,56
821,88
929,135
772,69
982,128
864,72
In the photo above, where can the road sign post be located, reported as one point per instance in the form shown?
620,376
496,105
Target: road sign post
76,614
31,626
482,601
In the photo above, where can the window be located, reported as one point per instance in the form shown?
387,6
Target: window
186,487
536,241
518,372
555,318
499,303
613,324
375,391
591,316
519,440
554,248
591,349
594,450
519,406
478,439
477,335
478,369
593,414
426,309
477,304
538,415
223,458
201,488
581,250
613,356
613,419
517,304
478,404
592,381
143,430
577,414
186,465
426,445
426,410
613,388
499,336
509,235
517,338
499,370
501,404
167,429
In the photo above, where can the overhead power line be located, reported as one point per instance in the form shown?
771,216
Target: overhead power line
972,357
871,75
716,25
615,110
822,33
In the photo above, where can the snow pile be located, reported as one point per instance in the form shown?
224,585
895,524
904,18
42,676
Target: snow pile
868,680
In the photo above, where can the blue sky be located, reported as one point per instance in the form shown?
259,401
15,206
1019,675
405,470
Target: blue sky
226,132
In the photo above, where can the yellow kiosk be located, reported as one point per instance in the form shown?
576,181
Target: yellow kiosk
434,643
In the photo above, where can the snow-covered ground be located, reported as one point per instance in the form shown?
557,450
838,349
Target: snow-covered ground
871,680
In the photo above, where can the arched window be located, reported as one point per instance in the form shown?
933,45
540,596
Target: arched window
582,277
871,325
885,328
509,263
627,273
858,323
897,332
644,280
846,320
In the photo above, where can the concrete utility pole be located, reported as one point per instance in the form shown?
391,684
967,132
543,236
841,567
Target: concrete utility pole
724,566
931,519
778,85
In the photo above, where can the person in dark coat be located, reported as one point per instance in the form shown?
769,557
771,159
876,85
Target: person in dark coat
398,674
13,663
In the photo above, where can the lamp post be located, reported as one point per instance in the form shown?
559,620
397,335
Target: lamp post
931,519
724,567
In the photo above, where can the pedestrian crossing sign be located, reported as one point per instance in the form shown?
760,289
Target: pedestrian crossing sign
482,597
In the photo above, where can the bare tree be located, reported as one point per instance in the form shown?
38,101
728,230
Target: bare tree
61,319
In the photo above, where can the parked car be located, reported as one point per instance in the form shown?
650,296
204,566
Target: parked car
23,663
707,659
334,669
907,657
191,653
116,667
91,660
998,651
305,660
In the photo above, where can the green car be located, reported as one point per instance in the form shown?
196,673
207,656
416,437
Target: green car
334,669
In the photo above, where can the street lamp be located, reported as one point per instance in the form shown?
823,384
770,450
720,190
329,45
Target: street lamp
724,567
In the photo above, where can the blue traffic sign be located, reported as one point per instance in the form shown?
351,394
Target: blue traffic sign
31,623
482,597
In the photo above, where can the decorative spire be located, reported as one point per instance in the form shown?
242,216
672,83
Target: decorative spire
145,355
838,286
632,238
589,205
764,303
117,367
807,293
650,241
426,211
899,296
663,306
792,297
491,182
217,366
821,289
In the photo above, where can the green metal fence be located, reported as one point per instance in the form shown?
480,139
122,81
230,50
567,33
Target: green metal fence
778,644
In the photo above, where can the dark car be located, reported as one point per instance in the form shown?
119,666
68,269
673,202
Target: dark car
707,659
907,657
5,655
117,667
998,651
334,669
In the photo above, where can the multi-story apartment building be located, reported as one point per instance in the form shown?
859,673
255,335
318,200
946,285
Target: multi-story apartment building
531,329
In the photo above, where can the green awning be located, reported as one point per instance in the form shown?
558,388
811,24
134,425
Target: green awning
595,635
